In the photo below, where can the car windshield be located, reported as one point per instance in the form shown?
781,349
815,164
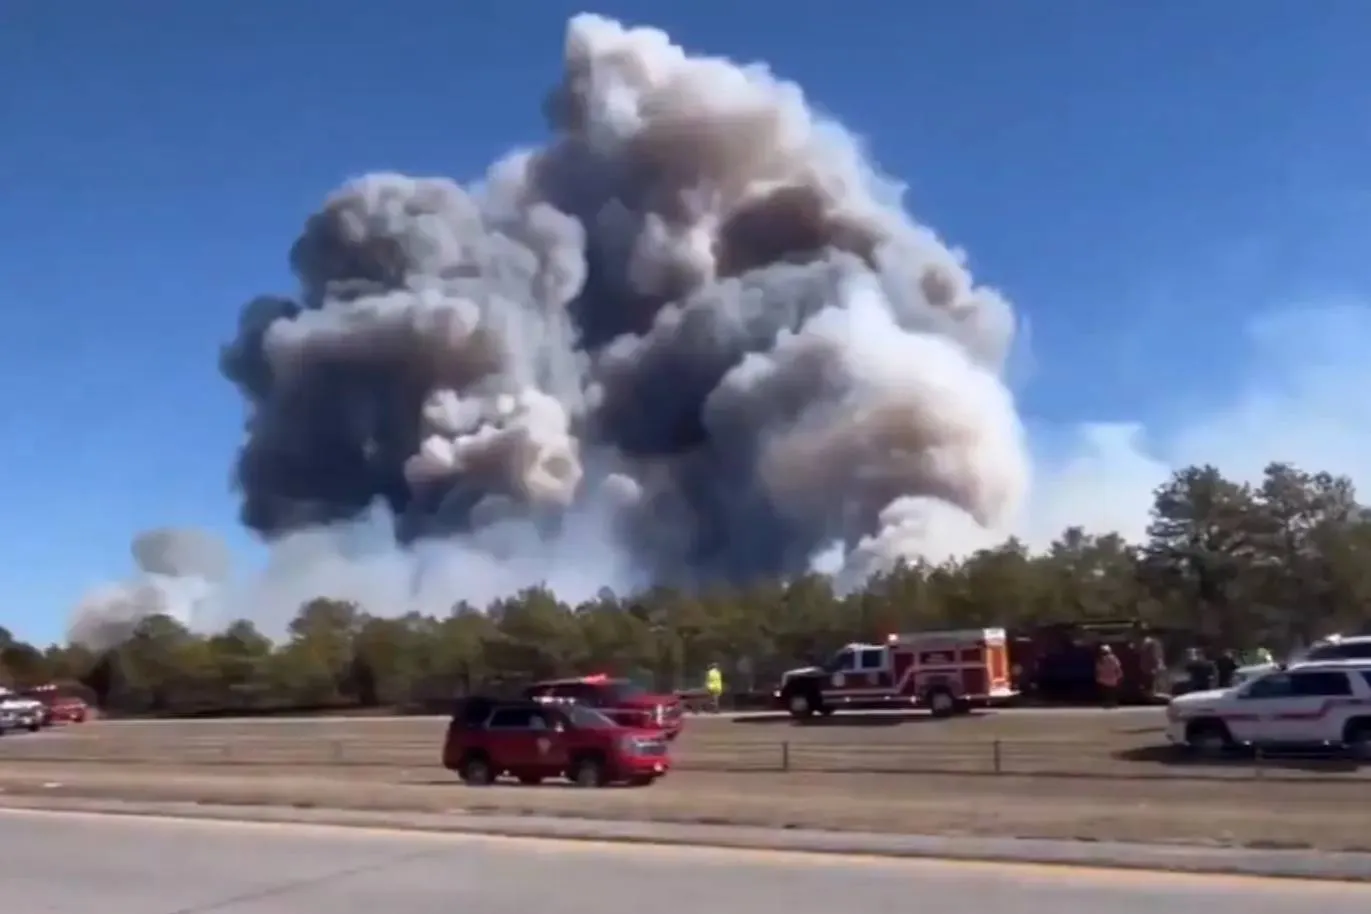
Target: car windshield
588,718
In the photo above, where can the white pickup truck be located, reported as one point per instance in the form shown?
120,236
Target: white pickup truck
1313,704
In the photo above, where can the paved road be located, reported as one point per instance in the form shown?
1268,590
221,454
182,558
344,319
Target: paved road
75,864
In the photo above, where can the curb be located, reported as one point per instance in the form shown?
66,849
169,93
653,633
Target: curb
1186,859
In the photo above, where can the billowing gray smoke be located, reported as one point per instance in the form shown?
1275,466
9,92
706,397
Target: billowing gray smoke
180,572
694,337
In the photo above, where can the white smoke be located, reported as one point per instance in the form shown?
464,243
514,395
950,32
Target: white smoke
181,574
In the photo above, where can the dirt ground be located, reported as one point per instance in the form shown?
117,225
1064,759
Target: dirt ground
1271,814
1081,744
1084,775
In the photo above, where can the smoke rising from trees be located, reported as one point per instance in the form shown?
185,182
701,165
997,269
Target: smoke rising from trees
692,338
180,573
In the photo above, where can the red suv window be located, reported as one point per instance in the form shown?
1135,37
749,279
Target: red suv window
517,718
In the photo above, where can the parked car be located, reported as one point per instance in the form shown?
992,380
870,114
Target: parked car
58,707
10,721
1318,704
533,741
27,713
621,700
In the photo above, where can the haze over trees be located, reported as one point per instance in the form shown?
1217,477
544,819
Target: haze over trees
1278,564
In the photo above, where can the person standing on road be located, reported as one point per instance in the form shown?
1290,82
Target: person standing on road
1201,671
714,685
1153,664
1224,669
1108,676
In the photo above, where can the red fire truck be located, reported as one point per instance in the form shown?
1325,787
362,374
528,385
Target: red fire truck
947,672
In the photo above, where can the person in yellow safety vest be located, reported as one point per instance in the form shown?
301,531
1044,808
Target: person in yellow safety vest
1264,656
714,685
1108,676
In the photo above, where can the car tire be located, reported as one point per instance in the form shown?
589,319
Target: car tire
475,770
1357,738
800,705
587,771
1209,738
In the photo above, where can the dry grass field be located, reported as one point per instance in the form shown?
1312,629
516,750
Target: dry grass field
1084,775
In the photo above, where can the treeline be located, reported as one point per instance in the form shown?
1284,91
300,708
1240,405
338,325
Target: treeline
1228,565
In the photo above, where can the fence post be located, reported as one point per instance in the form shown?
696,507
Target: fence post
995,756
785,755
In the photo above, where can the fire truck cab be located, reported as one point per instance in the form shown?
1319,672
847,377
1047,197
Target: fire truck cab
947,672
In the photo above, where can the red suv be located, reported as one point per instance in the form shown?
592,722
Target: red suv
533,741
619,699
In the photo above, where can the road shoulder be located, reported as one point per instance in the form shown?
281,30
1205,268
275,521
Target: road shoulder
1107,855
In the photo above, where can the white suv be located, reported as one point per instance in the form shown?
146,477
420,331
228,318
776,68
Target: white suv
1312,704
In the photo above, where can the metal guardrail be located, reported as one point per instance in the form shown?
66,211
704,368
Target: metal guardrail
1038,758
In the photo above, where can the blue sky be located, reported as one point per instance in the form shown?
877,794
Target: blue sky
1174,195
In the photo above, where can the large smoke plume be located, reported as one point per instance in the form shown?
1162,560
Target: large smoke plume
694,337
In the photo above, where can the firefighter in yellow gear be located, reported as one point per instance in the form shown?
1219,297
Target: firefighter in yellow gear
714,685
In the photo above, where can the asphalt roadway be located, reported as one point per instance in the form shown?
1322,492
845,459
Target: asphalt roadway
64,863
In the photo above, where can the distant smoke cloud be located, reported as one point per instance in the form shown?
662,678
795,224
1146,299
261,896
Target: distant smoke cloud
180,552
181,573
693,338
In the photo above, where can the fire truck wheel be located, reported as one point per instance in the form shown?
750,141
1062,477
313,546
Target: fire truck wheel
941,702
800,705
